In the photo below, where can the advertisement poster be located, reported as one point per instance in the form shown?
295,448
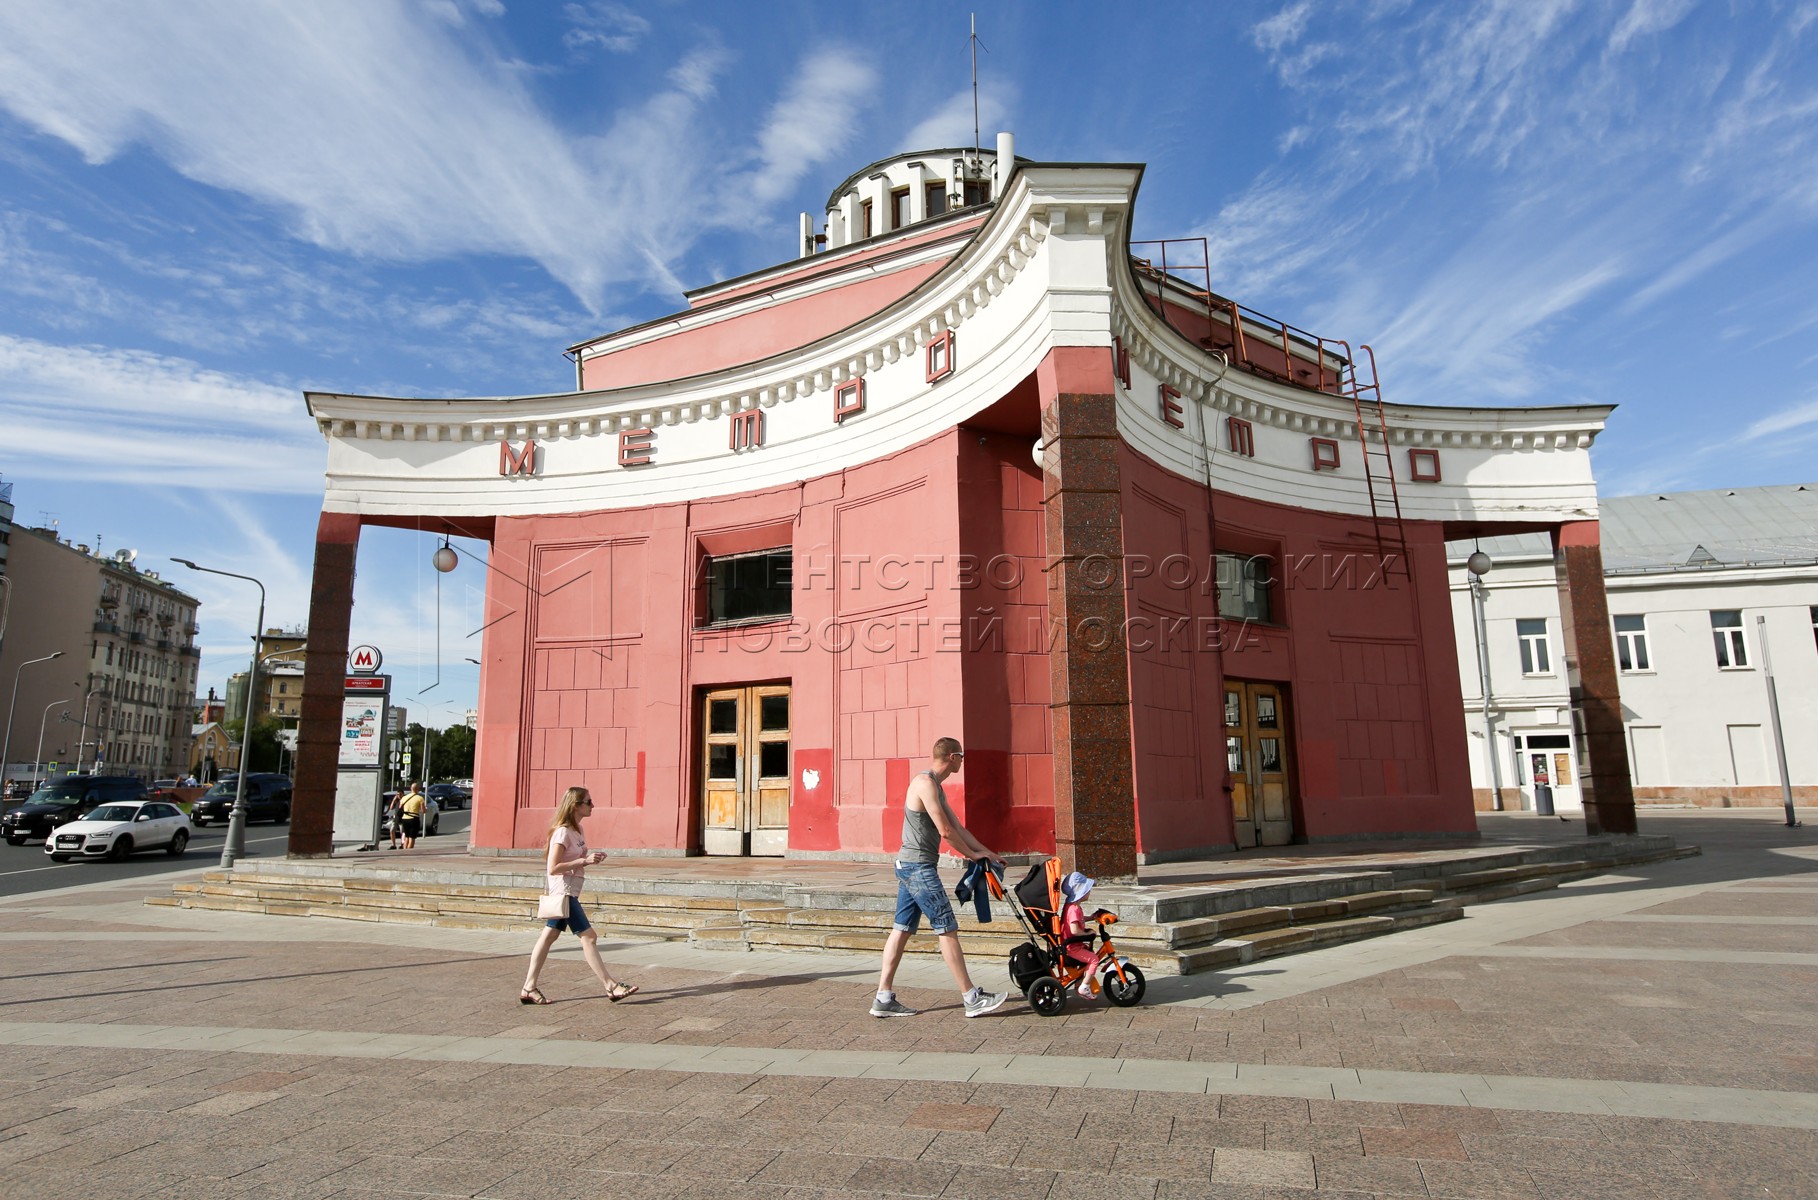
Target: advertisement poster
361,731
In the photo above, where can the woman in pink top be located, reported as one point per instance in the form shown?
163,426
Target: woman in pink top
567,864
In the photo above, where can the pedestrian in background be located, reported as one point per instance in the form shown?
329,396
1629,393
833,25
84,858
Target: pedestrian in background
566,865
411,808
394,817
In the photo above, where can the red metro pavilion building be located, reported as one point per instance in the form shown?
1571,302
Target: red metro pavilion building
971,464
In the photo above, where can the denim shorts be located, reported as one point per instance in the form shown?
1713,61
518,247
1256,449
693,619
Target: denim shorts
575,922
919,892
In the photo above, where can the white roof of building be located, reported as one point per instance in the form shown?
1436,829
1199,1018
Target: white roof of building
1724,527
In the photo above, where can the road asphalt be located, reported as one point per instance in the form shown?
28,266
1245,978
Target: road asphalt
26,868
1647,1034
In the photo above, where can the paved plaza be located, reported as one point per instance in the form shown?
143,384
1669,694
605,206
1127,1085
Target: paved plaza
1648,1034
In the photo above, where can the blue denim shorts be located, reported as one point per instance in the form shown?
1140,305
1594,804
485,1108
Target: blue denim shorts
919,892
575,922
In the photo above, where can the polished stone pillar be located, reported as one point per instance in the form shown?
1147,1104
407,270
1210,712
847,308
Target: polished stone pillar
1088,665
1590,654
312,809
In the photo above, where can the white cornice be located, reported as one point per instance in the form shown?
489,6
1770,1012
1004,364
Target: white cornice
393,455
1049,267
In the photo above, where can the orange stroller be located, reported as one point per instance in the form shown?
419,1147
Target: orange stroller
1040,966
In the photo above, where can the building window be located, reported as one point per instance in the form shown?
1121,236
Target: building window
1726,631
899,207
935,198
865,218
977,191
1535,658
1243,587
1632,644
749,587
1815,622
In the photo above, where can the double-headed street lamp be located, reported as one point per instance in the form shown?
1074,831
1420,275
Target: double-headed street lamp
6,746
236,821
38,762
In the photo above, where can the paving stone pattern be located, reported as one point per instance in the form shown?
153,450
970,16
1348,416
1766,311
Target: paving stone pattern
1721,1052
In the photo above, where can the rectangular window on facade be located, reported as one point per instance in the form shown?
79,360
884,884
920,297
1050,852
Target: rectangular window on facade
935,198
1536,658
978,191
1815,622
899,208
1726,631
1632,644
1243,587
749,587
865,219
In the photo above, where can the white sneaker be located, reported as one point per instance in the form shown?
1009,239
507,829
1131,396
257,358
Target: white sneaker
983,1002
1087,988
891,1008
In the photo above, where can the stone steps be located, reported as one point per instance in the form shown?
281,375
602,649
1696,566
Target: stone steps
1167,930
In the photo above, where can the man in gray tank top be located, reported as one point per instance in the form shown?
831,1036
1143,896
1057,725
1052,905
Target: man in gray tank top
919,891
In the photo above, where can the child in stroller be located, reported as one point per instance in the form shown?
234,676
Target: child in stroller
1055,959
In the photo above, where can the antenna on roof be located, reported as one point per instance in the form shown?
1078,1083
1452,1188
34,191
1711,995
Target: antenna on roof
975,44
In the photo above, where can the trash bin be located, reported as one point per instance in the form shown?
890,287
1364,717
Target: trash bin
1543,799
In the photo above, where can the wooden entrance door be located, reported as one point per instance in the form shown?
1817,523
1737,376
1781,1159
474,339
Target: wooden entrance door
745,770
1256,762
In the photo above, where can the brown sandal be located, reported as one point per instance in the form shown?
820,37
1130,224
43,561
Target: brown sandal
621,991
532,996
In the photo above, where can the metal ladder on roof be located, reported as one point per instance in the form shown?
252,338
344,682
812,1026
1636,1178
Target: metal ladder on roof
1378,461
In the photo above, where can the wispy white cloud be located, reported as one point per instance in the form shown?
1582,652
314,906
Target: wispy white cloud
137,418
1646,18
1459,182
383,132
950,124
608,26
813,121
1795,416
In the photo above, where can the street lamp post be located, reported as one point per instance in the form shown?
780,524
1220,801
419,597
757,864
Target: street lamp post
6,746
38,762
236,821
1478,565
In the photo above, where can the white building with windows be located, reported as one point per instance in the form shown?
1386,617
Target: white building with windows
1707,591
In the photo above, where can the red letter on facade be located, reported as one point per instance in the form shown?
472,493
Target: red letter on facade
1170,410
515,462
1423,466
1120,362
940,357
848,400
636,446
1325,454
747,431
1240,438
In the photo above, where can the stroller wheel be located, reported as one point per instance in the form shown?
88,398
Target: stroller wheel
1047,996
1027,964
1126,992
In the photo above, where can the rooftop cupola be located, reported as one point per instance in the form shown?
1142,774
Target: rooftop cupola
898,192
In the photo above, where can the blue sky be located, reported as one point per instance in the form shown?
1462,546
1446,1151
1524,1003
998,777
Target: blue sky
206,208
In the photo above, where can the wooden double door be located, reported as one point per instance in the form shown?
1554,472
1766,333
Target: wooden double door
745,770
1257,762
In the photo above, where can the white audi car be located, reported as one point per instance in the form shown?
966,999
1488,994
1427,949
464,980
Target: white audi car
116,830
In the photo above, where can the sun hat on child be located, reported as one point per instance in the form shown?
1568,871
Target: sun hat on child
1076,886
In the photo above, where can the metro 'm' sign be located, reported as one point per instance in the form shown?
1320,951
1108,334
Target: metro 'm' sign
364,660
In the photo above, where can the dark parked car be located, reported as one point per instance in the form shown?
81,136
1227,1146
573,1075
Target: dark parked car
447,795
64,800
267,799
